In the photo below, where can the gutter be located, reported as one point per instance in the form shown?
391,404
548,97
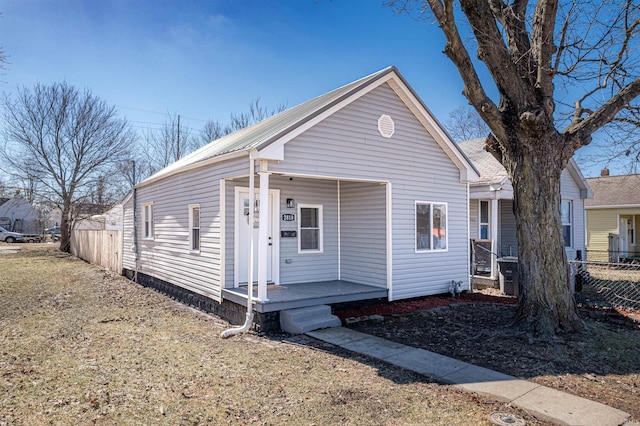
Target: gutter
252,202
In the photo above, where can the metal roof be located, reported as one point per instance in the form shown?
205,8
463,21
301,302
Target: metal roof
270,129
264,133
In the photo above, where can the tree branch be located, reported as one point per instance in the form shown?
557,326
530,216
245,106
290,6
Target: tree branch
459,55
580,130
542,43
493,52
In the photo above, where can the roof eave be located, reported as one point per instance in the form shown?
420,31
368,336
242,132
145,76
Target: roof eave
199,164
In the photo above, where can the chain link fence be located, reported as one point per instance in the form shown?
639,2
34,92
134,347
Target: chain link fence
608,285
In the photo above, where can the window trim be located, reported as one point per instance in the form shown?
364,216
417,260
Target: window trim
320,228
415,227
151,234
569,224
192,208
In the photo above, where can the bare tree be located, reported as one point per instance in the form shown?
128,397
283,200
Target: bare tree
65,139
256,114
589,51
3,188
464,123
213,130
168,144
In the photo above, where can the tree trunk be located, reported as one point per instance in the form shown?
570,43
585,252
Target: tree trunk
65,227
546,304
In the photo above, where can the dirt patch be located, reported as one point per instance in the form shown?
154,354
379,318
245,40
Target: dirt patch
79,345
601,364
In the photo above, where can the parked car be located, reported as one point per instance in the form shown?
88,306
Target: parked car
10,237
54,232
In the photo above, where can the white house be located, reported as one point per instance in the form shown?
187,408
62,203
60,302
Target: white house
356,194
18,214
491,217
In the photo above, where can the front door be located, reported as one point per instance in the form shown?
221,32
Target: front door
242,234
623,232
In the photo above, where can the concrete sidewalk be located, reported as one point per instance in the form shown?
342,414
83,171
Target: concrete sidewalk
542,402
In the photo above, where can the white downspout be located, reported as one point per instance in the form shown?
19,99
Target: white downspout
252,203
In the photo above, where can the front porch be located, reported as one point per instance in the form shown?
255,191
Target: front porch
291,296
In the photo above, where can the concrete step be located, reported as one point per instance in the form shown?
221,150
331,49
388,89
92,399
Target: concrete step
301,320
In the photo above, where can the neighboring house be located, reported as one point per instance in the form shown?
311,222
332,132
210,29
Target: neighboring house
359,194
111,220
54,217
613,216
17,214
491,217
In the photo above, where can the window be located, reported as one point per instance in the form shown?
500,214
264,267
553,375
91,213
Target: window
310,228
565,215
431,226
194,227
484,220
632,230
147,220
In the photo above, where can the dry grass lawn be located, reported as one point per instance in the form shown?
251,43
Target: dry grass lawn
82,346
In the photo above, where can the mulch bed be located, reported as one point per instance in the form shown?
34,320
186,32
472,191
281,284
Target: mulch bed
430,302
600,364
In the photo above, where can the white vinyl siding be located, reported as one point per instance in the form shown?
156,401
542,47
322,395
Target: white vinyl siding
571,192
295,267
348,145
363,240
168,257
507,227
474,224
345,146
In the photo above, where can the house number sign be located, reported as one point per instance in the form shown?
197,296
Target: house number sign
288,217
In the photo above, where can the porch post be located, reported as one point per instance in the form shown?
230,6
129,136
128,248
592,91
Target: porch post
494,238
263,230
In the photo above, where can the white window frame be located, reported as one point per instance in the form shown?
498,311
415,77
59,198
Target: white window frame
632,231
487,223
431,248
569,224
320,228
192,228
147,217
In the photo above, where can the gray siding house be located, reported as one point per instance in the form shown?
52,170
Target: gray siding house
357,194
491,217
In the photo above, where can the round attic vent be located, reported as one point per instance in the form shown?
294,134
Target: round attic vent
386,127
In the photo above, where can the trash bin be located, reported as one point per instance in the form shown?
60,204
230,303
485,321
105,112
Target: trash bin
508,267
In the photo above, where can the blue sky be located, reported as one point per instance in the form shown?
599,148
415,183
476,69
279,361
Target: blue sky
207,59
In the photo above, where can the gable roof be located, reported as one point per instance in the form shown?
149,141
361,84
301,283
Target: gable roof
494,173
18,207
276,130
614,191
491,171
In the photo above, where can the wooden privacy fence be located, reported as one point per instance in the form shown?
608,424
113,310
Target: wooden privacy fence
102,248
